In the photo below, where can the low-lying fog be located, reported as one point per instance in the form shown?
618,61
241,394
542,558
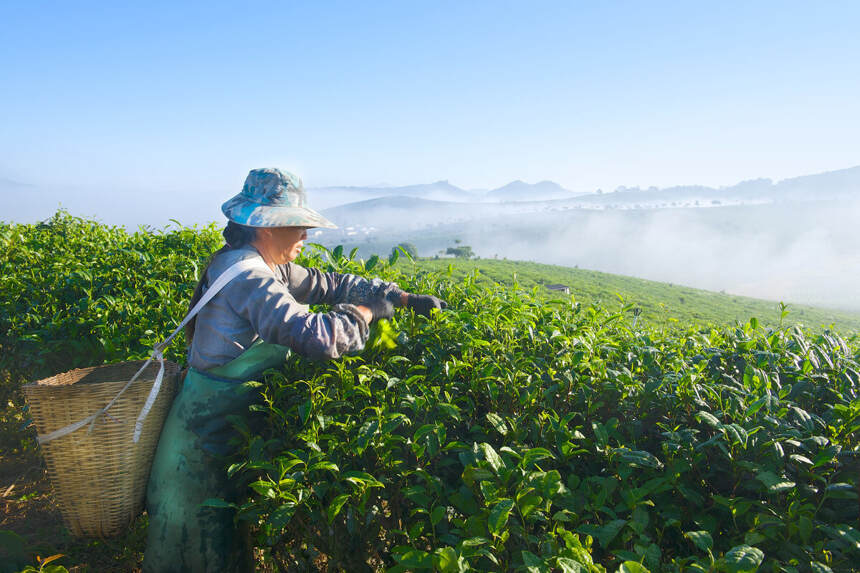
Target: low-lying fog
798,253
805,252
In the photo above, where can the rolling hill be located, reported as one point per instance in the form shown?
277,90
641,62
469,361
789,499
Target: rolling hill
661,303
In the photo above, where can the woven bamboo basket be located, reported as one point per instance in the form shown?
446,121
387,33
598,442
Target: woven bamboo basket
100,477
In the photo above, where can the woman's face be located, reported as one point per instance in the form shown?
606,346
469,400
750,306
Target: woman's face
283,244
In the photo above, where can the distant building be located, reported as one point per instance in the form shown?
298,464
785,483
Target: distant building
559,288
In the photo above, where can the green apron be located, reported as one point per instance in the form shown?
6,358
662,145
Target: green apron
190,467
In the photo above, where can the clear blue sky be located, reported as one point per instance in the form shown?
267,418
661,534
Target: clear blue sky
187,97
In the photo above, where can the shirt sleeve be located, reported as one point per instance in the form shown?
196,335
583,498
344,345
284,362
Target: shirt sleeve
312,286
275,314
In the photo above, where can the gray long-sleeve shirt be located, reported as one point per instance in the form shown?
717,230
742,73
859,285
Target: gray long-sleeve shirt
272,305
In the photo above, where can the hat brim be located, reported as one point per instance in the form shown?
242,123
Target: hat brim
244,212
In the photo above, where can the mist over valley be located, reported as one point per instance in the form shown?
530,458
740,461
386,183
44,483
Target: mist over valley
793,240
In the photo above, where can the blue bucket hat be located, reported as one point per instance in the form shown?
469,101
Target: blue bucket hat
273,198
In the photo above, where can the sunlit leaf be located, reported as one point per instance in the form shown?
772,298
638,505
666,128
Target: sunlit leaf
743,559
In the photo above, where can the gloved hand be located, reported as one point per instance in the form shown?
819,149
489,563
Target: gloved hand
423,303
381,308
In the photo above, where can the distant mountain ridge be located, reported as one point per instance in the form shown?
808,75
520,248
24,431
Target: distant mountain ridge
522,191
325,197
827,185
449,203
839,182
421,207
442,190
830,183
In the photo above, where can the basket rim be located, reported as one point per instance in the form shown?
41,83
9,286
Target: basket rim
49,382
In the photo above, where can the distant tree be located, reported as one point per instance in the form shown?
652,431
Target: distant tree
409,248
464,252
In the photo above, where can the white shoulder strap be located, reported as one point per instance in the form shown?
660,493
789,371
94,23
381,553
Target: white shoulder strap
157,354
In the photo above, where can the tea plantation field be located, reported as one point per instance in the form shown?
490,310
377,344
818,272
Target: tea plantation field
660,303
511,432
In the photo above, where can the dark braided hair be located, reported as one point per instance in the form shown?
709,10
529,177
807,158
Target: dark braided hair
235,237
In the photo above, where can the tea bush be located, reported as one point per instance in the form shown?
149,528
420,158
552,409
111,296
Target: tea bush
76,293
660,303
508,433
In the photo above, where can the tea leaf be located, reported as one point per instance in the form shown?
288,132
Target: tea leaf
743,559
701,539
499,515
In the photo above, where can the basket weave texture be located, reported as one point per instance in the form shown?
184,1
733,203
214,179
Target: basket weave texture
100,478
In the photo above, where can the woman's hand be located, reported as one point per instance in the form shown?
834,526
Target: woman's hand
376,309
424,304
380,308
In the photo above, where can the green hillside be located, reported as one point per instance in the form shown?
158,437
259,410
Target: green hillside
507,432
661,303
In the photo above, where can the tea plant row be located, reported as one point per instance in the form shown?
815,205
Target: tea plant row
507,433
513,434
